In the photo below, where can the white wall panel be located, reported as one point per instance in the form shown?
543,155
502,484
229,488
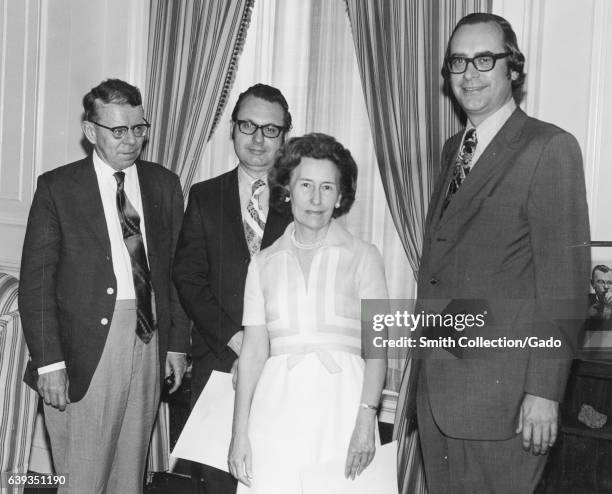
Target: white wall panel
52,52
569,66
19,75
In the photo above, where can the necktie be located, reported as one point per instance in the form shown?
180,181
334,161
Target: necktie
462,165
130,224
254,221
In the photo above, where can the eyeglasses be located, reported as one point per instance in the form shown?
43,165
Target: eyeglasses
119,132
484,62
268,130
606,283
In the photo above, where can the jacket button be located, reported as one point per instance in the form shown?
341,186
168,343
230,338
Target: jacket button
104,321
110,290
434,280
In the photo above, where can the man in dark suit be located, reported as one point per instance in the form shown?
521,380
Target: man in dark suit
227,221
100,315
502,240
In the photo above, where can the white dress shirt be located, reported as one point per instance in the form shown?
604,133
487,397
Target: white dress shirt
488,129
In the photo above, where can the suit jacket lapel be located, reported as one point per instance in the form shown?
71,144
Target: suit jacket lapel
439,194
232,216
276,224
89,202
150,195
492,162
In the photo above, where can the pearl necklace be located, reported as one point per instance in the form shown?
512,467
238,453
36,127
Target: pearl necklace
300,245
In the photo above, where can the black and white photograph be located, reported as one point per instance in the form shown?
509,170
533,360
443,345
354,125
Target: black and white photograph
305,246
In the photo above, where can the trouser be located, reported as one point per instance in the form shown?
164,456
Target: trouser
101,441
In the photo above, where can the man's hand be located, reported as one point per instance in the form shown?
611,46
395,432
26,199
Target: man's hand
176,363
53,388
538,421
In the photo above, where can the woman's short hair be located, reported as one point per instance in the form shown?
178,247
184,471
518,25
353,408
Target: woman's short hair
317,146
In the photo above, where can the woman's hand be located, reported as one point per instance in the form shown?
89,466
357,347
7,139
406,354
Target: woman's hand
239,459
361,448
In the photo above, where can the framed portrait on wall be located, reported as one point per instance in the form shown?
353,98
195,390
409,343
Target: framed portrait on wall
596,337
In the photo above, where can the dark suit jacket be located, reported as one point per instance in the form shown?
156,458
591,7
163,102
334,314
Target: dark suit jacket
507,241
67,269
210,269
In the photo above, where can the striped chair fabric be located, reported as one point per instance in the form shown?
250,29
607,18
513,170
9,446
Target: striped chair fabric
19,402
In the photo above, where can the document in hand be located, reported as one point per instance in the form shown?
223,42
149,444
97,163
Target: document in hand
379,477
208,431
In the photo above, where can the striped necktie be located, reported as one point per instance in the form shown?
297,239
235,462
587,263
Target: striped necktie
255,220
132,236
462,165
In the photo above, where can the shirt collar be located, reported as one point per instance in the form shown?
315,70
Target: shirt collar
106,171
337,236
487,129
245,178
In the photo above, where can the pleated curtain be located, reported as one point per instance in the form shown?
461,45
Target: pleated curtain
400,48
193,54
192,59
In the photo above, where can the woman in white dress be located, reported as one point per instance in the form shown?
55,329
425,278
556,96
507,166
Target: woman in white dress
305,394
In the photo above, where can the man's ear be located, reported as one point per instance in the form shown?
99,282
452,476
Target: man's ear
88,131
232,125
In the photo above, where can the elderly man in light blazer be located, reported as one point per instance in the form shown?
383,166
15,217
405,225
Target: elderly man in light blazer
503,235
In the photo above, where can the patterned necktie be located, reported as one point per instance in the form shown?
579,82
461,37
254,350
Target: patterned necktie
462,165
255,220
130,224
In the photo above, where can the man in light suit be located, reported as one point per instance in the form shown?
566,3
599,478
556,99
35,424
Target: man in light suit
100,315
226,222
503,240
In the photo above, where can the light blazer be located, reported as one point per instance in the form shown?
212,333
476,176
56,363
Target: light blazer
507,240
68,288
210,269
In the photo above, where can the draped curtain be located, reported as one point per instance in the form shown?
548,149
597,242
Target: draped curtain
193,51
193,55
400,48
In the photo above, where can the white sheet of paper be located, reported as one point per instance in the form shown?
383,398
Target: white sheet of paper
379,477
208,431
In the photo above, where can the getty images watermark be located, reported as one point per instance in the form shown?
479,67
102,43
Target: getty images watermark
476,326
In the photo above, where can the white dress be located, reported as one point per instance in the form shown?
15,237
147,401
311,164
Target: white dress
307,398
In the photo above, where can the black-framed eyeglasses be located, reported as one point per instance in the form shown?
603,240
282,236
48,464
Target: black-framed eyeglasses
268,130
606,283
484,62
119,132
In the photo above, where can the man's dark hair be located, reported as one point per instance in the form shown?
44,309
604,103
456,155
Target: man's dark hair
110,91
320,147
602,268
267,93
516,59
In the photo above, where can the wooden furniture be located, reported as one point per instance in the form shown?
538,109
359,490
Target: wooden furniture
581,462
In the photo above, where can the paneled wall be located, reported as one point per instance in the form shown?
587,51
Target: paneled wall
568,45
52,52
